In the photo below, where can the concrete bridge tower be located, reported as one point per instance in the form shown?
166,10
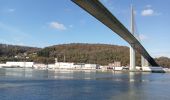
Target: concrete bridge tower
132,66
144,62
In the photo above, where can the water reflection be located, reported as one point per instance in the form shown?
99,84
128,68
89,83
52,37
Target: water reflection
48,74
30,84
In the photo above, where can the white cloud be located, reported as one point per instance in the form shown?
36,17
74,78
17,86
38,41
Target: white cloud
58,26
147,12
11,10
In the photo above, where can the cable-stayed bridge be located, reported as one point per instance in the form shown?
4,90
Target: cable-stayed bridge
100,12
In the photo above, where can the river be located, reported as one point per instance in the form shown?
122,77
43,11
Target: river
31,84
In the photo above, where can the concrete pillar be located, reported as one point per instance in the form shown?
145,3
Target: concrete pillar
132,59
144,62
132,51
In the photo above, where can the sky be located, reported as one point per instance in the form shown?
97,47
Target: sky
41,23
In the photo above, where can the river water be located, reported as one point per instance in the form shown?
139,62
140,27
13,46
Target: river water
31,84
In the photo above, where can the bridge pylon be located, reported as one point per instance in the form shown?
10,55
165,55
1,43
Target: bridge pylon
132,66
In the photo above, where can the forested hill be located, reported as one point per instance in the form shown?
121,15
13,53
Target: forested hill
15,52
89,53
76,52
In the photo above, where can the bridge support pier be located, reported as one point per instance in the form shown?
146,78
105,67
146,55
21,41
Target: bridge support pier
144,62
132,58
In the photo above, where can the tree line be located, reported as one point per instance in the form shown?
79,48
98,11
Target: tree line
76,52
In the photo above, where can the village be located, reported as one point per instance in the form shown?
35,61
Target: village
116,66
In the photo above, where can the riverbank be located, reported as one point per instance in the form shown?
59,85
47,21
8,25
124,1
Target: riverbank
81,66
164,70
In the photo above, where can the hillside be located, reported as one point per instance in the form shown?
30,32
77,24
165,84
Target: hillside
76,52
15,52
163,61
88,53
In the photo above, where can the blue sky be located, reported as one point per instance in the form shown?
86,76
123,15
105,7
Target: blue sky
43,23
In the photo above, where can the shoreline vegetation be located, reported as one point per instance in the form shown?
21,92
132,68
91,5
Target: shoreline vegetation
102,54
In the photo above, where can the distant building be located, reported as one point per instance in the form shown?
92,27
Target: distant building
64,65
67,65
115,64
79,65
90,66
103,67
40,66
51,66
20,64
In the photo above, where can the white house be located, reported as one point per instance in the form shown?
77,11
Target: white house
64,65
40,66
20,64
90,66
